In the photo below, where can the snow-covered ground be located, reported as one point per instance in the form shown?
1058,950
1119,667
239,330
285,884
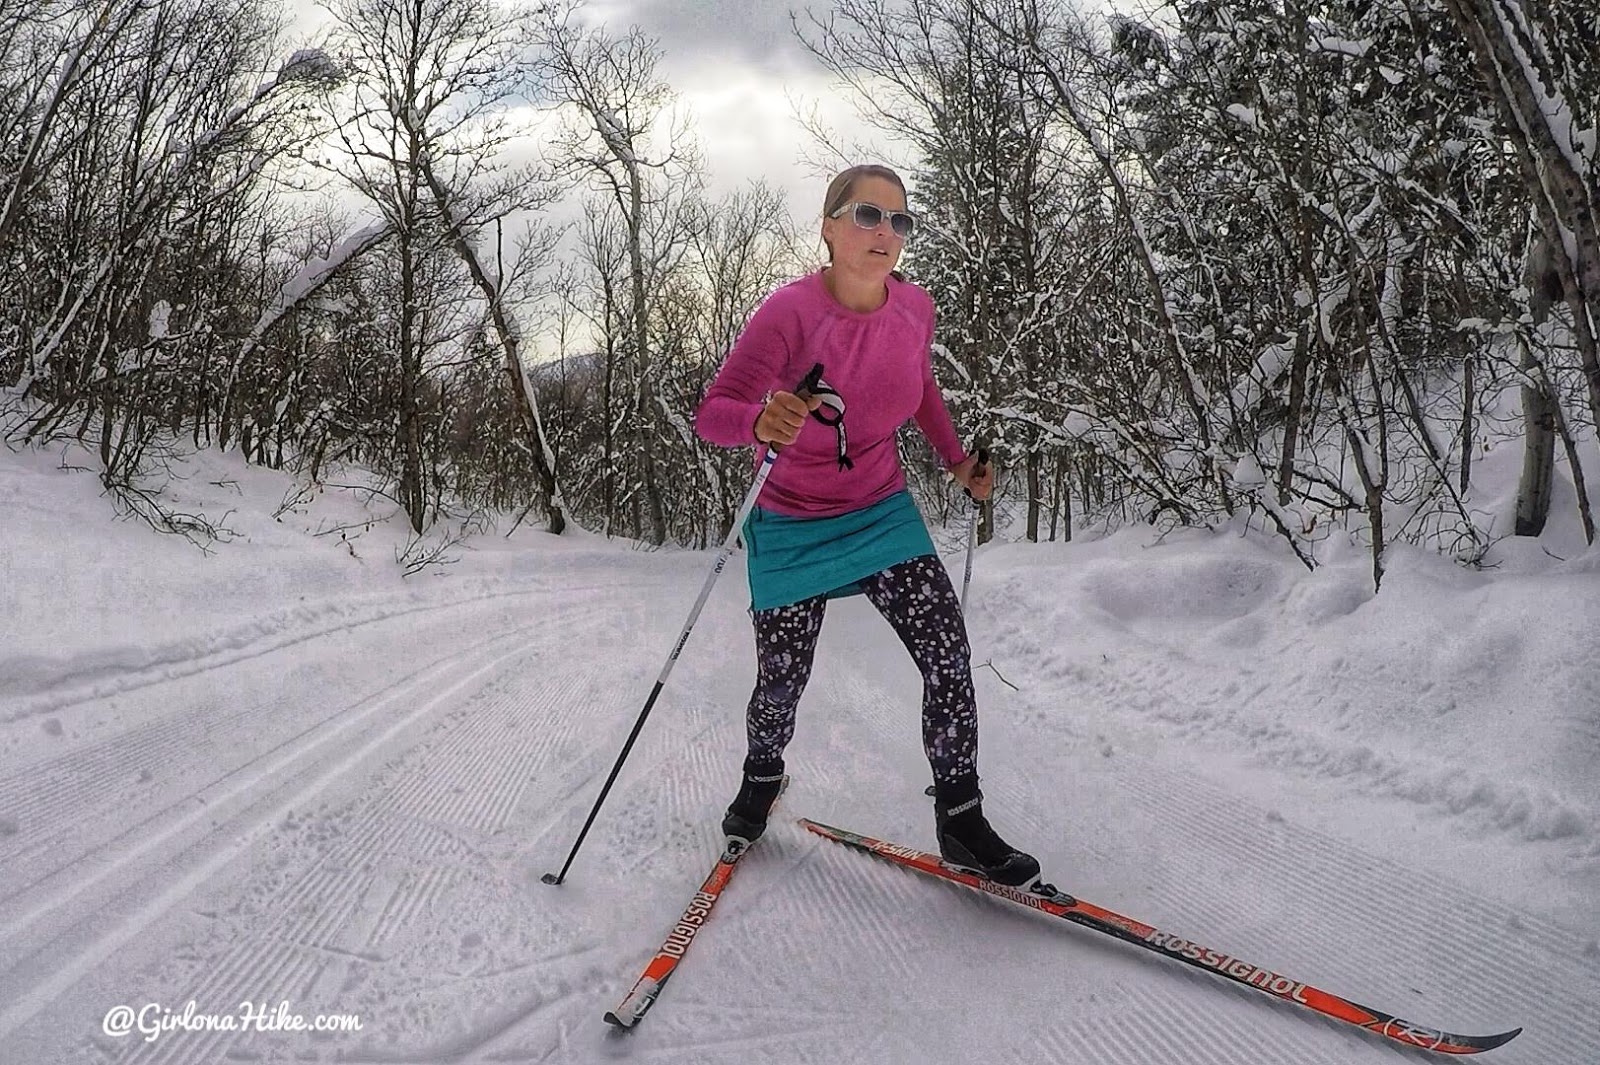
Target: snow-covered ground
279,773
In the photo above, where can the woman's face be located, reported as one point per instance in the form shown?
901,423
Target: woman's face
869,253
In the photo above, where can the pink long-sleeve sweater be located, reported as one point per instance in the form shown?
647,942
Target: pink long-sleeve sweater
880,364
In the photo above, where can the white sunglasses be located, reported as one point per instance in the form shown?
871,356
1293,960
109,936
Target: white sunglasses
870,216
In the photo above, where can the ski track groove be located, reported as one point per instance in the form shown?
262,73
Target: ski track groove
405,886
1095,1038
313,910
1305,861
1215,805
167,737
1183,1031
69,805
1013,808
467,747
1048,1044
471,754
1153,1036
260,969
844,894
459,674
327,897
688,793
424,889
307,740
469,751
1261,1037
550,734
542,739
860,696
1452,915
182,660
1467,917
56,786
1487,983
332,893
469,759
848,902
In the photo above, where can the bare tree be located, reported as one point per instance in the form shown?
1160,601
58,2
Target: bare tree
611,85
425,141
122,220
1535,64
992,190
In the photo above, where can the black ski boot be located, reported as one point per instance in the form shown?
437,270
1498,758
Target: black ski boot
746,818
966,838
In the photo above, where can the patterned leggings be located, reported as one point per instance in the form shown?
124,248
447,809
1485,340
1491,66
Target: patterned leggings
917,599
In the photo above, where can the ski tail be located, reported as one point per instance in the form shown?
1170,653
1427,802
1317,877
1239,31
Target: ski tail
666,961
1066,907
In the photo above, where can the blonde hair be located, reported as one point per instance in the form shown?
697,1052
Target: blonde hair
844,183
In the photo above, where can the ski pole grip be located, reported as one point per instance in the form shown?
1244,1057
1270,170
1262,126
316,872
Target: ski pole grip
983,460
809,385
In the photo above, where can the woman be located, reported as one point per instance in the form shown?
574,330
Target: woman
835,518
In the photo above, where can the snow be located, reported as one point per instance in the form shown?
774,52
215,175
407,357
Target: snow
1268,367
615,134
316,272
310,64
1247,473
1245,115
1553,106
311,276
280,773
160,322
1339,46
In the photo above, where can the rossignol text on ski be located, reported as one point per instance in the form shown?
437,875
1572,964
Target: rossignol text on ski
1059,904
648,987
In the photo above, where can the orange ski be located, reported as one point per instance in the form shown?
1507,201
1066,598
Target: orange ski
676,945
1048,900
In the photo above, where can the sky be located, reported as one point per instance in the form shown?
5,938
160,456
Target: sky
744,76
748,83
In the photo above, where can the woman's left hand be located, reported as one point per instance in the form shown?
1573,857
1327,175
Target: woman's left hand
977,480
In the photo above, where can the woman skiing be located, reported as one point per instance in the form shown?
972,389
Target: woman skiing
835,517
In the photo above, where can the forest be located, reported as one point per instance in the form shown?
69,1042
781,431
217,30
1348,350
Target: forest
1296,264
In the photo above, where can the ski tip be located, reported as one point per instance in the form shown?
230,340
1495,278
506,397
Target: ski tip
1480,1043
617,1022
1443,1042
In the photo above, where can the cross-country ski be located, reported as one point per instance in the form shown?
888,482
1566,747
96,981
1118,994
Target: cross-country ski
676,946
1078,911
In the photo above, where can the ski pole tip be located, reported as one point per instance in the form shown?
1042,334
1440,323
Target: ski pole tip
551,878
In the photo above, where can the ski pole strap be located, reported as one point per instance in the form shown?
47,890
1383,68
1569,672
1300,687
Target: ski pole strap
809,384
835,403
814,385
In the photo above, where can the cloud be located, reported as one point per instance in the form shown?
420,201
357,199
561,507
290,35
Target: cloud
750,33
739,71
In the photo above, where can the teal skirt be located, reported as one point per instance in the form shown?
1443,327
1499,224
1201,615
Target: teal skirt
790,559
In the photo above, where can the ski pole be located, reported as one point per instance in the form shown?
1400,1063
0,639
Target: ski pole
972,529
803,391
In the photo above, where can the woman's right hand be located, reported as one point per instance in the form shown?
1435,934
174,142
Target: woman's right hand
785,415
